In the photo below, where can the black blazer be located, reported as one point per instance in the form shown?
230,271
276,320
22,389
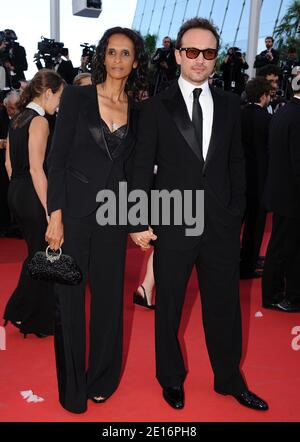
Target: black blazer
255,133
166,137
282,193
79,162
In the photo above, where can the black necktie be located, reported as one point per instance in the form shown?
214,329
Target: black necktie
197,118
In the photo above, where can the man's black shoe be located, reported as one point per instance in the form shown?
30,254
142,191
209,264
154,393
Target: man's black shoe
174,396
250,400
270,305
288,306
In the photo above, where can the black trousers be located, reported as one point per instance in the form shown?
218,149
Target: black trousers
100,253
282,263
216,257
254,226
33,301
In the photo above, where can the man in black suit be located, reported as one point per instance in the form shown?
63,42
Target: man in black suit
255,132
192,132
280,283
268,56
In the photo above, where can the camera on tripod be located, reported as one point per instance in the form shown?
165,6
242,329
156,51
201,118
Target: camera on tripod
88,51
49,51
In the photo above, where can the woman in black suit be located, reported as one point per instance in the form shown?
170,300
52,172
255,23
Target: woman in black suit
91,151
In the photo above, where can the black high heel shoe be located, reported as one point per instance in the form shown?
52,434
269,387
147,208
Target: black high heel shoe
142,300
100,401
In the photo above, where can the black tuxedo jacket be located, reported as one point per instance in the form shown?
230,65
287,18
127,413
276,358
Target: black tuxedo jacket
282,192
166,137
79,162
255,133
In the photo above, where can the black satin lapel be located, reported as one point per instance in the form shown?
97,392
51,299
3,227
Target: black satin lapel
129,138
177,108
92,116
219,122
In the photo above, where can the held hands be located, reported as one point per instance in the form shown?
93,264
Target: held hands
3,144
55,231
142,239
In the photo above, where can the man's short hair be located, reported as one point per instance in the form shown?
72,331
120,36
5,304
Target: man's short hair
196,23
269,69
256,88
270,38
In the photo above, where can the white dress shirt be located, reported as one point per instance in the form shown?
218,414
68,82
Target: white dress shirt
207,105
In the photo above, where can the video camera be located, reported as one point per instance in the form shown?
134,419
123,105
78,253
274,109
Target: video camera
48,51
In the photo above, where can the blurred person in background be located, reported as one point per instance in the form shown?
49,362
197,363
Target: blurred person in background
83,79
233,68
13,58
165,64
268,56
7,111
255,133
280,281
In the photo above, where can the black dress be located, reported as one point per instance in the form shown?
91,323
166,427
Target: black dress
32,302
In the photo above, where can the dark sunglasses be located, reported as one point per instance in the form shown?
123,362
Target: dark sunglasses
192,53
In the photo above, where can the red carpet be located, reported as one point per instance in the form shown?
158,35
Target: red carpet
270,363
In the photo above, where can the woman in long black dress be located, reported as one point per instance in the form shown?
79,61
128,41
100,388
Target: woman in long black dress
31,306
92,150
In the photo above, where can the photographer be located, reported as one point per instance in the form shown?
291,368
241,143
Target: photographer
268,56
166,66
55,57
233,68
87,55
13,58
